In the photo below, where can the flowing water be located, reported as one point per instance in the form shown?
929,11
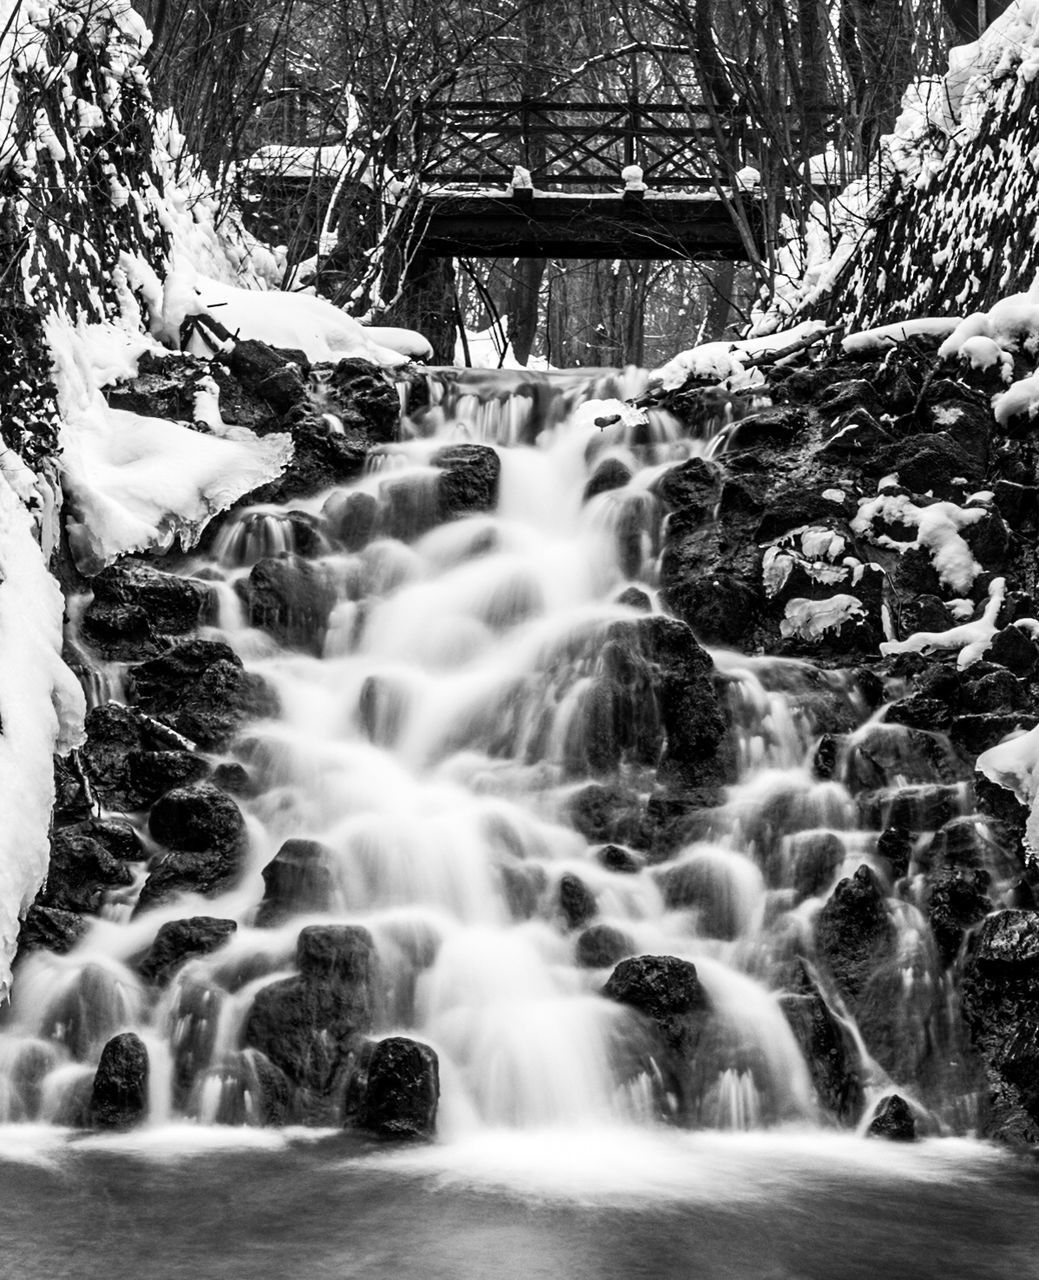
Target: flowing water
432,738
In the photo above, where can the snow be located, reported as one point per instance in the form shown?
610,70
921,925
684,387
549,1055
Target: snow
300,321
1021,397
970,638
1014,765
938,528
405,342
810,619
135,483
885,336
723,362
41,711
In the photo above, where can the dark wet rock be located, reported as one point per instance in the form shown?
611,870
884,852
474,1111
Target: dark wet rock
352,518
576,901
663,988
180,940
322,458
600,946
615,857
853,393
693,485
854,933
957,901
403,1090
360,393
291,599
234,778
299,878
914,808
606,813
119,1099
895,846
828,1049
815,857
720,608
270,373
202,690
153,772
635,598
468,480
313,1026
791,509
976,732
921,712
136,608
695,886
893,1120
610,474
993,691
117,738
776,426
966,421
935,464
923,613
204,832
80,871
1019,505
988,539
50,929
741,496
856,436
1014,649
1000,998
71,802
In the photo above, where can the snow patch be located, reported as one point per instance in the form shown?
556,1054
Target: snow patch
970,638
810,619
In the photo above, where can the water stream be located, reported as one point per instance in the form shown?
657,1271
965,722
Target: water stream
432,739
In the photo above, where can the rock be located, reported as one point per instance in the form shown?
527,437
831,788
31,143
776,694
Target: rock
635,598
697,885
50,929
996,690
692,485
136,608
403,1090
854,932
153,772
291,599
468,480
1000,1001
790,509
351,518
299,878
312,1026
523,884
272,374
80,871
117,739
1013,649
204,831
610,474
662,988
202,690
935,464
778,425
856,436
1018,505
180,940
616,858
360,392
322,458
923,613
605,813
828,1049
895,846
576,901
844,396
601,945
893,1120
957,901
119,1099
719,608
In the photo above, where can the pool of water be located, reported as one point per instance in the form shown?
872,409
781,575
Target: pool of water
210,1205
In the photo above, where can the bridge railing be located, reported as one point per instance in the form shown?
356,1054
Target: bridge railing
572,144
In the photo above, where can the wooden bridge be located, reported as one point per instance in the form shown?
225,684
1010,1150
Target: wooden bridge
578,205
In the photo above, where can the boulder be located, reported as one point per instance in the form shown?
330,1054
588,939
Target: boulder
662,988
312,1026
468,481
576,901
610,474
180,940
603,812
828,1050
290,598
956,902
204,831
274,375
778,425
854,933
80,871
893,1120
1014,649
351,518
402,1091
50,929
856,436
202,690
601,946
135,608
692,485
119,1099
115,757
298,878
360,393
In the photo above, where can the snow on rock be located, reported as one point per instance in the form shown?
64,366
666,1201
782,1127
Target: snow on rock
970,638
938,528
1014,765
133,482
1021,397
405,342
297,320
809,619
883,337
41,713
726,362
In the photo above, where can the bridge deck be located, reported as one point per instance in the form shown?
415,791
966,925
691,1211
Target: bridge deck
582,225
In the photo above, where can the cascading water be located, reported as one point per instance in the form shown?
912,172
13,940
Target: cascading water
436,726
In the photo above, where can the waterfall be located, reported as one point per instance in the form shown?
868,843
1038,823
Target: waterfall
437,721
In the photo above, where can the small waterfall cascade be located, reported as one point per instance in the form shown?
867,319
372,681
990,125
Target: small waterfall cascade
442,720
